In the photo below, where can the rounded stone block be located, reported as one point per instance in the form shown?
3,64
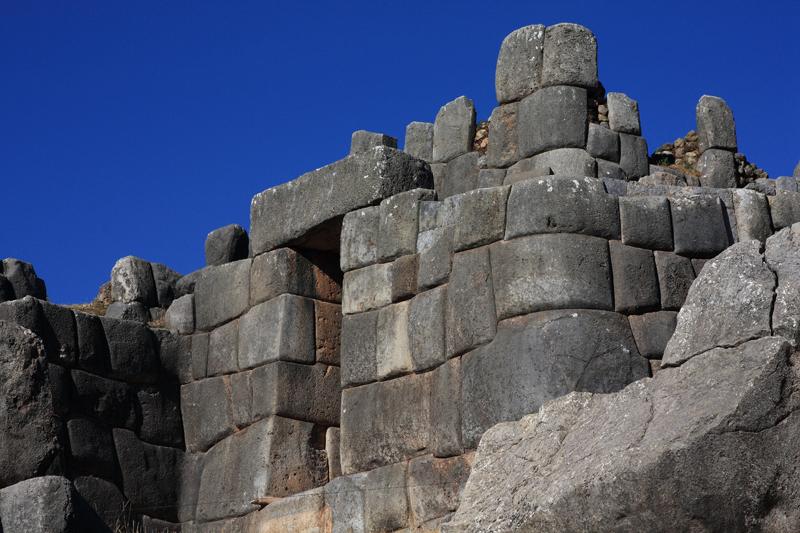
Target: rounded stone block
715,125
226,244
623,113
717,169
453,129
419,140
519,64
570,56
552,117
503,140
645,222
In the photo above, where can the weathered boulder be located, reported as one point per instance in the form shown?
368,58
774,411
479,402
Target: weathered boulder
419,140
519,64
782,257
623,113
226,244
166,279
570,56
23,279
552,118
503,147
363,141
717,169
132,281
453,130
715,125
180,315
602,142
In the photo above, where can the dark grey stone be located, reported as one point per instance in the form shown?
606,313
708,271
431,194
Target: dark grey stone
610,171
199,355
6,289
717,168
185,285
603,143
752,215
784,209
652,331
645,222
206,410
226,244
633,158
503,139
103,497
359,348
165,279
132,281
133,311
419,140
359,240
175,354
460,175
715,125
698,225
47,504
91,446
112,402
541,272
399,220
279,329
221,294
675,276
519,64
434,262
762,185
614,186
434,486
59,334
23,279
426,328
562,162
223,349
570,56
634,276
491,177
470,318
479,217
161,416
132,349
180,315
623,114
363,141
453,129
445,438
551,118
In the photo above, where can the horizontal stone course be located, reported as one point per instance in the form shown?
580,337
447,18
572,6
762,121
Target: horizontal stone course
698,225
470,317
645,222
281,329
552,117
222,293
569,56
519,64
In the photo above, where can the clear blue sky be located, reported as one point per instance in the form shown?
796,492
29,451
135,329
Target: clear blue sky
138,127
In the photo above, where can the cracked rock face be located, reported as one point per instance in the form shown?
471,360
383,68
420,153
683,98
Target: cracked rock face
709,444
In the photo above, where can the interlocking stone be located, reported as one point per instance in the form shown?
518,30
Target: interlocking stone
784,209
426,328
752,215
360,238
562,161
698,225
327,332
364,141
491,177
652,331
645,222
781,254
479,217
221,294
614,186
92,446
281,329
634,278
602,143
332,439
460,175
608,170
102,496
675,276
207,413
453,129
503,141
633,155
519,64
786,183
199,355
434,486
180,315
133,351
434,248
419,140
717,168
132,281
470,311
160,411
223,349
226,244
623,114
23,279
399,222
393,354
551,118
43,505
715,125
570,56
367,288
134,311
445,437
287,271
559,271
359,348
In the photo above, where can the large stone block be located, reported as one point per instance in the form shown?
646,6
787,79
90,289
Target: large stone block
652,332
612,173
434,247
645,222
623,114
426,328
273,457
132,281
491,177
782,256
445,437
393,347
784,209
385,500
290,213
363,141
134,311
91,446
103,497
399,220
562,205
304,512
166,280
332,439
717,169
221,294
675,276
602,142
434,486
175,354
715,125
207,412
633,159
634,277
47,504
359,240
106,399
180,315
543,272
453,129
470,318
161,421
367,288
132,349
226,244
223,353
479,217
281,329
550,118
562,161
199,355
419,140
519,64
698,225
327,332
786,183
503,139
542,356
59,333
385,422
359,348
752,215
460,175
570,56
23,279
286,271
92,345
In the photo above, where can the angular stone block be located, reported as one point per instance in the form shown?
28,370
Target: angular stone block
134,311
166,279
221,294
602,142
332,439
717,168
698,225
109,400
608,170
226,244
92,345
385,422
652,332
91,446
367,288
562,161
132,350
393,347
302,512
175,354
281,329
419,140
715,125
286,271
675,276
132,281
540,272
363,141
359,348
752,215
359,239
470,318
634,277
59,333
491,177
199,355
207,412
541,356
223,349
434,486
426,328
327,332
503,139
160,416
434,247
399,220
46,504
784,209
782,257
551,118
623,114
23,279
345,499
633,158
180,315
303,205
570,56
453,129
479,217
445,437
460,175
519,64
562,205
614,186
103,497
430,215
645,222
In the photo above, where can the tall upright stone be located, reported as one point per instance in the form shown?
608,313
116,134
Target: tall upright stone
715,125
519,65
419,140
454,129
363,141
623,114
132,281
226,244
570,56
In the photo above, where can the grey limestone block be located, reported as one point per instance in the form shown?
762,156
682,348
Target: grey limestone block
359,348
752,215
367,288
226,244
345,499
460,175
438,171
109,400
715,124
518,176
306,203
555,271
563,205
385,500
479,217
134,311
786,183
435,485
364,141
430,215
453,129
160,411
385,422
419,140
652,331
132,281
503,147
393,354
223,349
281,329
332,439
434,256
675,276
784,209
404,277
180,315
551,118
399,222
327,332
519,64
634,277
570,56
491,177
207,412
445,438
359,239
221,294
133,351
603,143
781,255
561,161
623,113
762,185
287,271
717,168
633,156
608,170
199,355
645,222
470,318
426,328
91,446
698,225
541,356
614,186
